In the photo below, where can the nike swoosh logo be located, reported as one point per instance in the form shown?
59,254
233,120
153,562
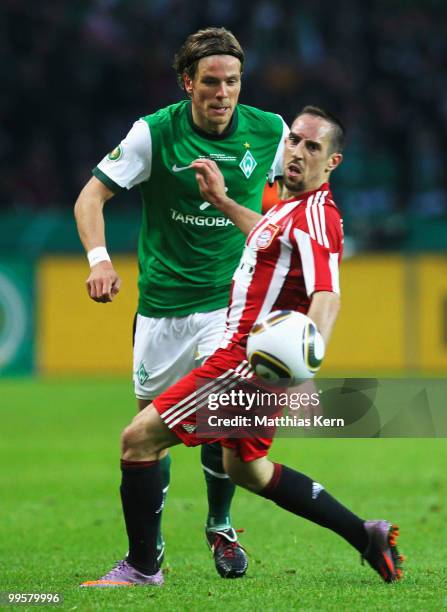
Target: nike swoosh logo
204,205
176,168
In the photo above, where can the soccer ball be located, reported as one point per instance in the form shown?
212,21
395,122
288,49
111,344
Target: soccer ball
285,348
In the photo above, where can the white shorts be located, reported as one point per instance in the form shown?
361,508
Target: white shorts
167,349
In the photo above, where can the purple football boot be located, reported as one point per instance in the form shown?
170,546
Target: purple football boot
124,575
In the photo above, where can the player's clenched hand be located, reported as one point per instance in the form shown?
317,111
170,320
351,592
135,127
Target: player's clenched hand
210,181
103,283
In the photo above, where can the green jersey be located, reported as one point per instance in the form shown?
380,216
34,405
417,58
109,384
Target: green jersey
188,250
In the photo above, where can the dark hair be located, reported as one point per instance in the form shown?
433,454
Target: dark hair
338,129
210,41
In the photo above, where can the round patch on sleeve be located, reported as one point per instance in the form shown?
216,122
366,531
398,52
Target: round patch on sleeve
115,154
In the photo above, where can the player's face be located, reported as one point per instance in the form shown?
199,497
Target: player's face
308,161
214,91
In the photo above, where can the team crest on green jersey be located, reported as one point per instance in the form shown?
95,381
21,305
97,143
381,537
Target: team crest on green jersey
142,374
248,164
115,154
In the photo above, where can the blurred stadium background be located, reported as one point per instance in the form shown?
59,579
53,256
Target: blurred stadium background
75,75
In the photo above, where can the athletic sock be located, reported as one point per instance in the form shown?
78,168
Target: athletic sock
165,468
141,496
220,489
301,495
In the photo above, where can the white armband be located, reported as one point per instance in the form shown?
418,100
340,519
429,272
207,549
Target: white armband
96,255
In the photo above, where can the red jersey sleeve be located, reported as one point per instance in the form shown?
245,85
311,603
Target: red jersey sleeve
318,237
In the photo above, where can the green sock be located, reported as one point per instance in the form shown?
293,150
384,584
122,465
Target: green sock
220,489
165,467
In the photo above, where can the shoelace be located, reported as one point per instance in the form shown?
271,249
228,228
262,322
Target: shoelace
119,565
228,548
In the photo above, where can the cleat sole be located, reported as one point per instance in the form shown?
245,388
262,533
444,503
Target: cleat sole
106,583
396,572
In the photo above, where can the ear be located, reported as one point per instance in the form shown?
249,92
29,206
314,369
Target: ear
334,160
187,83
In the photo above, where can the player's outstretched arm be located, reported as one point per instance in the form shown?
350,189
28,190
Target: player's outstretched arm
323,311
212,188
103,282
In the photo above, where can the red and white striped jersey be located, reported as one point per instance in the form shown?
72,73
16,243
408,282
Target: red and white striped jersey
292,252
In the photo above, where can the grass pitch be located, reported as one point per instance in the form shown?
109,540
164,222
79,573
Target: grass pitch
60,518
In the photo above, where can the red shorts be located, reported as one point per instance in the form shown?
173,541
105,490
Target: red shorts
178,405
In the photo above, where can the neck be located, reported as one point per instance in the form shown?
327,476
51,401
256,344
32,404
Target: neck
299,191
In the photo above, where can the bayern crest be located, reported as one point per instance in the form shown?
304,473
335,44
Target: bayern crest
265,238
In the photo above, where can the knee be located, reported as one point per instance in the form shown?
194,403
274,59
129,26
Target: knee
146,437
129,439
252,475
247,480
137,443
